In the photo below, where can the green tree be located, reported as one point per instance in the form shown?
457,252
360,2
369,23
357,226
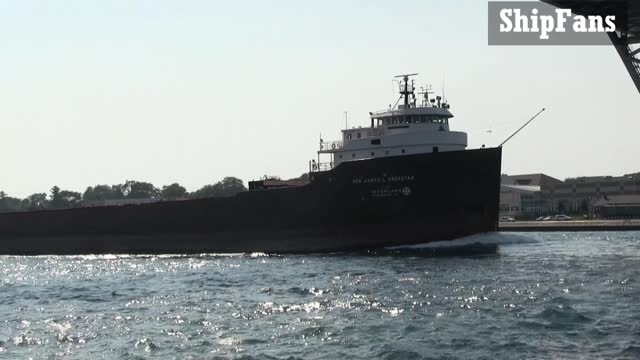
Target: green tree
102,192
173,192
55,201
139,190
205,192
8,203
63,199
562,207
585,206
229,186
35,202
72,198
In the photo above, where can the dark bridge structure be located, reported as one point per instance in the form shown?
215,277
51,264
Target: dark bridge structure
626,41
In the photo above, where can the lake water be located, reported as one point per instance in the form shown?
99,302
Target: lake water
542,296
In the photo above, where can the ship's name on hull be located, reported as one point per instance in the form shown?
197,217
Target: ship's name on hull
384,179
387,185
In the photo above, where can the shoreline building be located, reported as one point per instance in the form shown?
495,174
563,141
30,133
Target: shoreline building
533,195
521,195
618,206
580,195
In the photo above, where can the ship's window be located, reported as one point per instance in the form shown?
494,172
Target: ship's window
348,136
395,120
403,151
435,149
375,142
386,152
423,119
353,155
446,121
407,119
359,135
387,121
373,154
340,156
401,119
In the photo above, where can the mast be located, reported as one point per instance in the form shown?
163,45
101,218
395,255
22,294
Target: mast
405,90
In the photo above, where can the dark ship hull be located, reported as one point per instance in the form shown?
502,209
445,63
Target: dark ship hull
359,205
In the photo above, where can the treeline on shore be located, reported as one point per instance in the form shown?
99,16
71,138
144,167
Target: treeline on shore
131,190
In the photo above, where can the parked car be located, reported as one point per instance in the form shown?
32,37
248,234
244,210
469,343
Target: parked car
541,218
547,218
507,219
562,218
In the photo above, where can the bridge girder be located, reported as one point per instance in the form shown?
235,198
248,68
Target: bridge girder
627,43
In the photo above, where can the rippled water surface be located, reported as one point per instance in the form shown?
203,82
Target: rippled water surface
546,296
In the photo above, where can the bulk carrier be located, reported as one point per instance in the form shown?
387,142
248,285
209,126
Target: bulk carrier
404,179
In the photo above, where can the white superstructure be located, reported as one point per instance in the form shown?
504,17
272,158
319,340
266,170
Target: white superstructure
410,128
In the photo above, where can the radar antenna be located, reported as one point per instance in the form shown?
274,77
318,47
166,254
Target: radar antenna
406,89
425,91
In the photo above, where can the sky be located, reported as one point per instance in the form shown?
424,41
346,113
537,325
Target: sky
99,92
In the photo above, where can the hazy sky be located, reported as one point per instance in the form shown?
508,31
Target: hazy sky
95,92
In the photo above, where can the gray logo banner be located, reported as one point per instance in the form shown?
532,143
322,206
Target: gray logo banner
538,23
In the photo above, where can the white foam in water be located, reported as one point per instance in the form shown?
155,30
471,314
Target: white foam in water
482,239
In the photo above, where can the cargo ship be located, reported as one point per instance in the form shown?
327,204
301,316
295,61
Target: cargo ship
404,179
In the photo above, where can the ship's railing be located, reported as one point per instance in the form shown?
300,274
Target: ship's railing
319,167
331,145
